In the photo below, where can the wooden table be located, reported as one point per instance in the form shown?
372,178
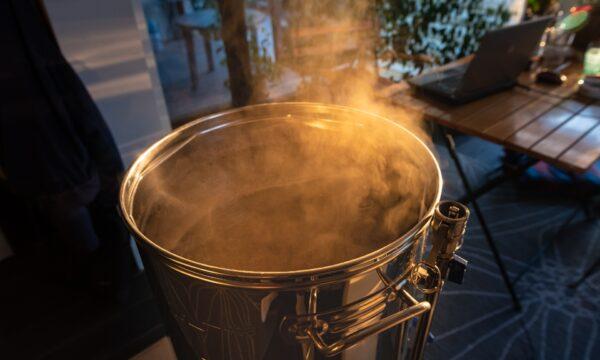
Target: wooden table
547,123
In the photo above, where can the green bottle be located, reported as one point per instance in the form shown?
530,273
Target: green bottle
591,59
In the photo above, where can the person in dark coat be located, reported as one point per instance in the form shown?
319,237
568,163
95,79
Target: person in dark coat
56,151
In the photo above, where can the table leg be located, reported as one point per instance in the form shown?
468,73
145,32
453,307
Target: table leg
190,48
208,51
531,263
499,180
586,274
449,141
589,210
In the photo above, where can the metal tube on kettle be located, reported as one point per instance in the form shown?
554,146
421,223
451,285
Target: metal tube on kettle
447,231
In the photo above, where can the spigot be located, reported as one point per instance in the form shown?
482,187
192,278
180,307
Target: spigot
448,228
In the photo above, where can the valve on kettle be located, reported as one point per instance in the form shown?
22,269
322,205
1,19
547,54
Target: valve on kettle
457,266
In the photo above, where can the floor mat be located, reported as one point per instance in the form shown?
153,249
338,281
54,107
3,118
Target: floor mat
545,242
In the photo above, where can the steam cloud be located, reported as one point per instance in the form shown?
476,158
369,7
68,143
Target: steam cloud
280,192
283,193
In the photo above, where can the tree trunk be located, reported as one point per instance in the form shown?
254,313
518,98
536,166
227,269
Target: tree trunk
233,33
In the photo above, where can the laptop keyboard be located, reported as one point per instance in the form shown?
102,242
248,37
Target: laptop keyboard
449,83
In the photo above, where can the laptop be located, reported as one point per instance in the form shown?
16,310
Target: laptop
502,55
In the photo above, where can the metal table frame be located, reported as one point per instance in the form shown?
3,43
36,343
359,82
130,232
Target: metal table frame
471,197
473,194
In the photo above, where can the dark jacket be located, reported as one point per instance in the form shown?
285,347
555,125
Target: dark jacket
52,136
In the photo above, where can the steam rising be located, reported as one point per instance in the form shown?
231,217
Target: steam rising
346,73
286,192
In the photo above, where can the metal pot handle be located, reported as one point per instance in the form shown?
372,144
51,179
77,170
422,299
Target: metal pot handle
314,332
448,224
311,327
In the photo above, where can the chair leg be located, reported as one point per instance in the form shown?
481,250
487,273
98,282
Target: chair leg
449,141
191,55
